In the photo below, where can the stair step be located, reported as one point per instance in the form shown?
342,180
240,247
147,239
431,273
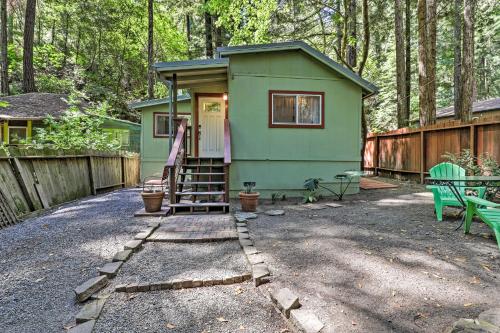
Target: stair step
200,193
202,173
201,204
201,183
190,166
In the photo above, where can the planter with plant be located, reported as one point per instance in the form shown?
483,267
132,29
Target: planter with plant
152,195
249,199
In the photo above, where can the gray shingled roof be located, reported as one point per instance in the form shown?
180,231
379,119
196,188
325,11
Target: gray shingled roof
34,106
158,101
368,87
480,106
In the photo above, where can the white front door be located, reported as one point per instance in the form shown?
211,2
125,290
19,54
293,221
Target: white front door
211,126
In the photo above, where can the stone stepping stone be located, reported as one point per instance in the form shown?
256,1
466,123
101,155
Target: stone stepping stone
90,311
314,206
259,273
241,225
285,300
243,236
86,327
122,255
306,321
245,216
86,289
333,205
144,234
242,229
250,250
255,259
275,212
133,245
491,316
111,269
154,225
246,242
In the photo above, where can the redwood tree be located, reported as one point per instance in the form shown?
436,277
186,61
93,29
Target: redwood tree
29,31
467,61
4,63
402,111
457,59
151,77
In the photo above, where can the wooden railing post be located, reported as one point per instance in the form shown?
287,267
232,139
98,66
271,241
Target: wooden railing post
422,156
227,158
172,185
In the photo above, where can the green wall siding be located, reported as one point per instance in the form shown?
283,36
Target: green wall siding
154,151
280,159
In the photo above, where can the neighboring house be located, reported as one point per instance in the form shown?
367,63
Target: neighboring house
23,113
293,114
486,108
154,131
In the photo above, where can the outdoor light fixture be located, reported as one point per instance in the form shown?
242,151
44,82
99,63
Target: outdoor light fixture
224,96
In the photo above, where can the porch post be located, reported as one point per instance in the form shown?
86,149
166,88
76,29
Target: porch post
170,118
174,100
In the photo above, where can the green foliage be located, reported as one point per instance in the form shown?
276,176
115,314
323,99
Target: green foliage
485,164
311,187
276,196
76,130
248,187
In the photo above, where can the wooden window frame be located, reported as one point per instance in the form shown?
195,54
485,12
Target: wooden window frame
296,92
164,114
14,127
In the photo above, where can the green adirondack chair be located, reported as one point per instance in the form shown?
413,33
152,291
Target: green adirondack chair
442,194
487,211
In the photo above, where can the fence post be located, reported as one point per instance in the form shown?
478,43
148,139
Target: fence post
122,163
472,139
90,162
375,155
16,167
422,156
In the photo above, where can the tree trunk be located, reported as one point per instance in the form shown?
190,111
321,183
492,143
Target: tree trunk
209,48
351,45
188,34
422,61
29,31
338,42
4,63
366,38
431,60
10,30
151,74
468,61
217,32
402,111
408,55
457,60
66,34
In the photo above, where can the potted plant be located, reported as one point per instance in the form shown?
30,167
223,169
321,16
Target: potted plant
152,195
248,198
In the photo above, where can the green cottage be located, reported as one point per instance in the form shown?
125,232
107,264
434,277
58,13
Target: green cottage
273,114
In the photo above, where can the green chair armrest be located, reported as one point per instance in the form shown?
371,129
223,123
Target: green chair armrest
430,187
482,202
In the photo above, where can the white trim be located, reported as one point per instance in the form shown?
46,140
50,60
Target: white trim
296,110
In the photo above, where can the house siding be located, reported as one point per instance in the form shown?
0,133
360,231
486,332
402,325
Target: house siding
280,159
154,151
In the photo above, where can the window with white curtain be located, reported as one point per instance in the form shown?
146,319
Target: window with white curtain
294,109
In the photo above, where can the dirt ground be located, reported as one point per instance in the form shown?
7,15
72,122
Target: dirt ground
381,262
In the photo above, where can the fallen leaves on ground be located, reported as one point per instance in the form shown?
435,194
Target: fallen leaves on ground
238,290
474,280
486,267
131,296
171,326
466,305
242,328
222,319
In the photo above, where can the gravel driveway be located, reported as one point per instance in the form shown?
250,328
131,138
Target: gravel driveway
381,263
43,259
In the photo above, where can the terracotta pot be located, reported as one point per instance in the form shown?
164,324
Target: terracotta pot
249,201
152,201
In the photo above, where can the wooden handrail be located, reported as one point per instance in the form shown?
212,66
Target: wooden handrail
177,144
227,142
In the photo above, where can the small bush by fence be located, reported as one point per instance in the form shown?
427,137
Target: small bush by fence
412,152
37,179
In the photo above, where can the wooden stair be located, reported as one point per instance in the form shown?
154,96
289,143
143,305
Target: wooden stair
201,186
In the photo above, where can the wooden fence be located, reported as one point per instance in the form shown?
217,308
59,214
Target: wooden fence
32,179
412,152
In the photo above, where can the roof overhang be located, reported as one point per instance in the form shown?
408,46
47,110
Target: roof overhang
194,73
159,101
368,88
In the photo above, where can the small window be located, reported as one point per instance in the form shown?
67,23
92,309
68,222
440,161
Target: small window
296,109
17,134
160,126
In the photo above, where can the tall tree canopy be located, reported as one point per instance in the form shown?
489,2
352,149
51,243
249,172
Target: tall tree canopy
103,48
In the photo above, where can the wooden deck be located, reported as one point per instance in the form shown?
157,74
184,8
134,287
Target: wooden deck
372,184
